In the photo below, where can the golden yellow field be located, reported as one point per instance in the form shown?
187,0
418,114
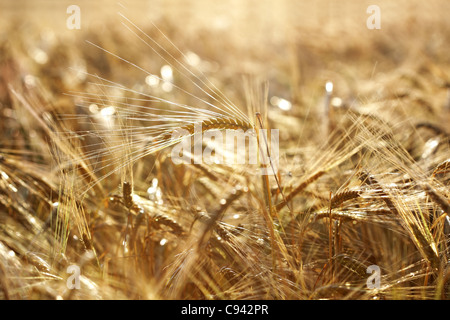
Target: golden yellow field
93,204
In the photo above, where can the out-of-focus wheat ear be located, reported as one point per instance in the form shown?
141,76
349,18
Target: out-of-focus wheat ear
437,198
299,188
213,176
38,262
87,242
354,265
344,216
442,167
343,196
157,216
370,180
433,127
127,197
211,221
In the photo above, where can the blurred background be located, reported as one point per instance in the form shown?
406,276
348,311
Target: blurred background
296,46
292,41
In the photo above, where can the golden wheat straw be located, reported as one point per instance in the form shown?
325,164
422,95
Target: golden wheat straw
352,264
161,219
127,194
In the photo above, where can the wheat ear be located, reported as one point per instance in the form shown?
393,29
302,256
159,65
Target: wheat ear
222,123
443,167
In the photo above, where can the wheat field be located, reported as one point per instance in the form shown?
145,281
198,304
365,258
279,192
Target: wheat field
93,204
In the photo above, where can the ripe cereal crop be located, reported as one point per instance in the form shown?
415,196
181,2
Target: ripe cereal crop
278,150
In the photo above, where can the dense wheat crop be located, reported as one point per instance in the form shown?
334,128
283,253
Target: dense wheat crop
352,203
